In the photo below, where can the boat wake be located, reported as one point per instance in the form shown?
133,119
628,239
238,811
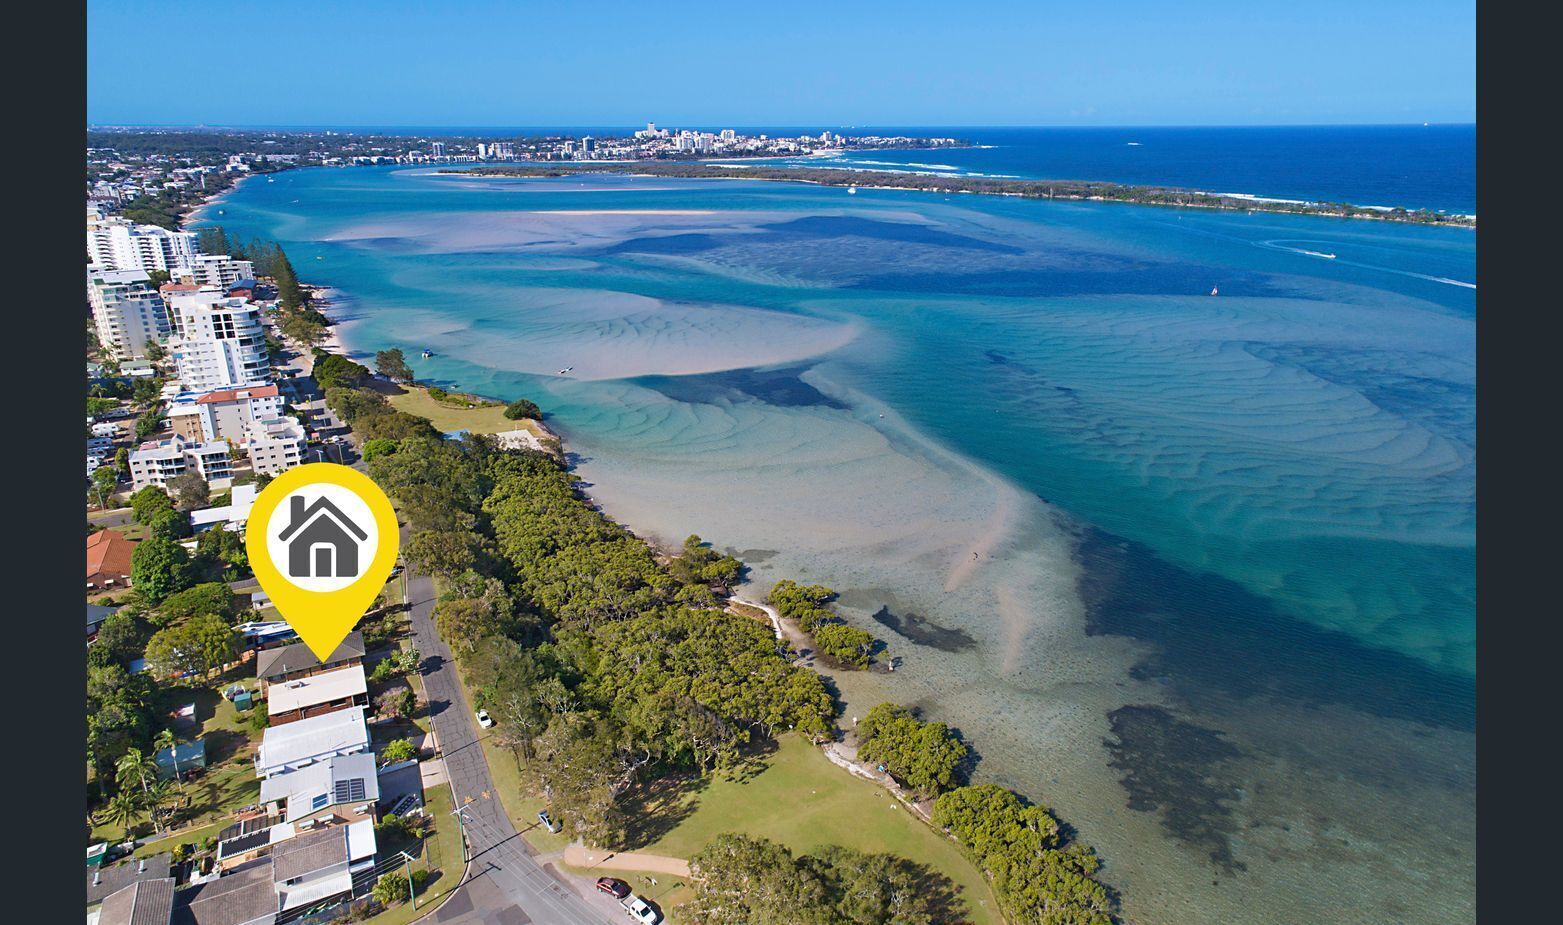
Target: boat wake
1291,247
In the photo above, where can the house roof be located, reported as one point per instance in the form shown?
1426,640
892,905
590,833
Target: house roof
313,739
145,902
249,391
306,854
116,878
242,896
108,554
186,754
335,778
96,614
325,687
297,657
321,506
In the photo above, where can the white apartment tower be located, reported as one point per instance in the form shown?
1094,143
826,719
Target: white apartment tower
118,244
219,342
218,270
128,312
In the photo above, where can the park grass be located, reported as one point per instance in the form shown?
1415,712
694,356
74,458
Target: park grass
504,765
489,419
800,800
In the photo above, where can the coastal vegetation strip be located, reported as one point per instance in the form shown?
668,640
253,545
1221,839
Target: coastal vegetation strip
1094,190
613,674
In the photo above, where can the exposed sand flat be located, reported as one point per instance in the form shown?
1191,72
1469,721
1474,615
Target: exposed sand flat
623,212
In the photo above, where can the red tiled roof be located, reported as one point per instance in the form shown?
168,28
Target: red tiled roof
108,556
254,391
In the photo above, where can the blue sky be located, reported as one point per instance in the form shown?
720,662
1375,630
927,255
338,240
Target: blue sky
605,62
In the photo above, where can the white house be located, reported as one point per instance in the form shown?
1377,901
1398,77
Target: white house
296,745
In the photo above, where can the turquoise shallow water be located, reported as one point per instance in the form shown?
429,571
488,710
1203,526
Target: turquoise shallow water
1198,571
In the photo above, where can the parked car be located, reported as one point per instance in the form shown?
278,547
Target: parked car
640,910
548,822
397,570
484,719
613,887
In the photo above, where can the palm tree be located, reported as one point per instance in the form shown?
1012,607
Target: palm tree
158,795
124,809
166,739
134,766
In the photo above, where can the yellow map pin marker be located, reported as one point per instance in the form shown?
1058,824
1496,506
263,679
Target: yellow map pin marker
322,539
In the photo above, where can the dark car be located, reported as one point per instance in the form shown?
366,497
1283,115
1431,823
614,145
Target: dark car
613,887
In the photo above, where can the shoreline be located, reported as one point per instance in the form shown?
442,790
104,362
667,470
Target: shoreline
1083,821
1067,190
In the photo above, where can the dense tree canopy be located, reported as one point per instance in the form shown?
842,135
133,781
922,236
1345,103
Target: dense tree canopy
372,417
523,408
839,644
393,364
334,371
214,598
922,756
159,567
571,633
1017,846
740,880
197,646
148,503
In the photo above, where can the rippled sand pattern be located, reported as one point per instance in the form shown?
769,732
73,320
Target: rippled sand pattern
1197,572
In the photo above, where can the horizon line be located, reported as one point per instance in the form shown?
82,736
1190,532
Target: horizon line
773,125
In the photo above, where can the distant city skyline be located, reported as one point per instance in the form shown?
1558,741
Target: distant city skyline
698,64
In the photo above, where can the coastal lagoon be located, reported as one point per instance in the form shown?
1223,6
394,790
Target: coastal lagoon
1197,571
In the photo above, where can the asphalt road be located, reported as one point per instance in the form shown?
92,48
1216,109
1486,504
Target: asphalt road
507,886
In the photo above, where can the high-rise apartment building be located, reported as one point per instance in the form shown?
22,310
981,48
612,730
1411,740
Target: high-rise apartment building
215,270
219,342
127,311
119,244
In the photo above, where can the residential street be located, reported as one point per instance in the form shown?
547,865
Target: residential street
509,887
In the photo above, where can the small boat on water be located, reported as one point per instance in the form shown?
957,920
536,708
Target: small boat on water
1320,254
1214,291
852,191
427,354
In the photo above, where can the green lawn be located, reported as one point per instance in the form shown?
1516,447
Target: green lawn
803,801
487,420
519,804
440,852
229,780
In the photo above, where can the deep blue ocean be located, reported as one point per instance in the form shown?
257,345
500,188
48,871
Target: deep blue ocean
1412,166
1196,570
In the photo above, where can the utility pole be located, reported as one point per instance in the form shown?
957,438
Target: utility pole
461,821
412,894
